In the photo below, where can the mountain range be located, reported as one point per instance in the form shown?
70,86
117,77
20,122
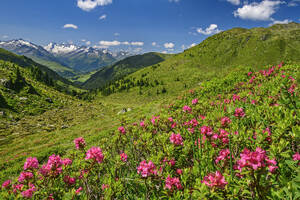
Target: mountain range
68,60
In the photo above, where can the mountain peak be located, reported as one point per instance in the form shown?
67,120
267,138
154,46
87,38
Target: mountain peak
18,43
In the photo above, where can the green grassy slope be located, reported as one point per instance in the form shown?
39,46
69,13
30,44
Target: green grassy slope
252,47
214,57
60,69
25,62
26,92
123,68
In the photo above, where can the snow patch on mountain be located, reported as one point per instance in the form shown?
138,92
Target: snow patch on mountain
60,48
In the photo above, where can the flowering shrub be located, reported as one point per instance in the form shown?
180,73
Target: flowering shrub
233,138
146,169
172,183
215,180
95,153
176,139
123,157
79,143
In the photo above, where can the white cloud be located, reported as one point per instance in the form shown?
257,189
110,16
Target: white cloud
137,43
258,11
110,43
154,44
118,43
116,34
286,21
293,3
182,47
126,43
88,43
103,17
70,26
165,52
169,45
234,2
5,36
192,45
83,40
88,5
176,1
212,29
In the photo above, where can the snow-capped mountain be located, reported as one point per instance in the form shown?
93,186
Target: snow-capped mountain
64,49
78,58
82,58
22,47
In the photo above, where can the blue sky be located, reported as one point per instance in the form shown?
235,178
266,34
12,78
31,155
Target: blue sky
137,25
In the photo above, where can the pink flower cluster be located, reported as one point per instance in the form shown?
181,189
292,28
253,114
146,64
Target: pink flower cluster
296,157
146,169
268,72
104,186
28,193
268,131
67,161
69,180
239,113
173,183
223,136
79,143
25,176
236,97
142,124
170,162
215,180
225,121
123,157
193,123
252,79
17,188
154,120
187,109
206,130
255,160
291,90
194,101
176,139
95,153
53,166
223,154
31,163
6,184
122,130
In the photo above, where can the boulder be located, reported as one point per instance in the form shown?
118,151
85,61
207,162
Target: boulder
49,100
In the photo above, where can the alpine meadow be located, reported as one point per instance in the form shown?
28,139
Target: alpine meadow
103,99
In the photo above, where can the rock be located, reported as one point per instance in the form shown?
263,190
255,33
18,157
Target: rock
5,83
2,113
49,100
64,126
124,110
23,98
